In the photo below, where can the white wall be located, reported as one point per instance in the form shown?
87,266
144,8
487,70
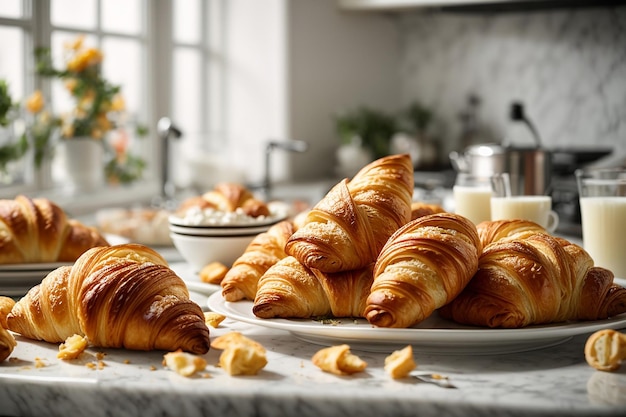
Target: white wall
291,65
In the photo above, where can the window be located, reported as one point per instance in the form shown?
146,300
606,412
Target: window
163,54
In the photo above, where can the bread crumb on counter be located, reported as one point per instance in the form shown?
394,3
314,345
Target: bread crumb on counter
213,273
338,360
73,347
183,363
213,319
605,350
241,355
400,363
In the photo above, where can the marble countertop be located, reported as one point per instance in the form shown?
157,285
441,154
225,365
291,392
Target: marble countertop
549,381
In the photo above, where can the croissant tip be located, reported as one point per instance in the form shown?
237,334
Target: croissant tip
379,318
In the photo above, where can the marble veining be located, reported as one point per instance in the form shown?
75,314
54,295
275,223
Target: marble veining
567,65
544,382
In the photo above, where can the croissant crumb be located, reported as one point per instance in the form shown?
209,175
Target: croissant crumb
213,273
213,319
338,360
605,350
400,363
72,347
241,355
183,363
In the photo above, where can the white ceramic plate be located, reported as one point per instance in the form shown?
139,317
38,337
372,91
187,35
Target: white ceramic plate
17,279
434,335
267,221
213,232
192,279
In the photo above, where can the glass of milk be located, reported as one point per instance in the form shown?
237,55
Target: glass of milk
536,208
472,196
603,215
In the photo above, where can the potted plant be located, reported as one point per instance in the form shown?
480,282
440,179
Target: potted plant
92,137
365,134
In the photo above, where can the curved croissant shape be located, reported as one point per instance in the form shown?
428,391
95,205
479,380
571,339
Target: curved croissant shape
37,230
122,296
291,290
491,231
536,279
423,266
227,197
264,251
349,226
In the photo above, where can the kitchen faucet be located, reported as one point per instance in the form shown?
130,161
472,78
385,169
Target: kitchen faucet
166,130
286,145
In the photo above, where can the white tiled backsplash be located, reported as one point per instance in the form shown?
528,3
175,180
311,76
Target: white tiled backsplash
567,66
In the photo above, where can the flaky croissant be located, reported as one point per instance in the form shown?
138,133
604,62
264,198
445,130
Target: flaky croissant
536,279
493,230
37,230
264,251
349,226
420,209
291,290
122,296
228,197
423,266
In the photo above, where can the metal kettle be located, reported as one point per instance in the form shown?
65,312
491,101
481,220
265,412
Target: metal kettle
529,168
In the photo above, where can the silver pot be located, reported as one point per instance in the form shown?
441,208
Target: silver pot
528,168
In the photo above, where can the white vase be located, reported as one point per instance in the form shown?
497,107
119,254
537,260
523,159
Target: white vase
81,162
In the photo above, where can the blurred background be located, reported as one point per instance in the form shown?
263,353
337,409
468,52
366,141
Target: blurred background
235,83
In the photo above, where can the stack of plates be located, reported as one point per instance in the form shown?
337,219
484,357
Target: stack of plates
17,279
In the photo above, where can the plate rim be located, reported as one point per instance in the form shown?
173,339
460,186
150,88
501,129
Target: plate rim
479,336
33,266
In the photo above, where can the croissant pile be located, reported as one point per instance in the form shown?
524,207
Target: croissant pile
227,197
37,230
122,296
366,250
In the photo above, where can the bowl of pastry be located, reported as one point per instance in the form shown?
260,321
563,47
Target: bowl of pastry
218,225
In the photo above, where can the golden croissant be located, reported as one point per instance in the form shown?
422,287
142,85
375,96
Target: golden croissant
423,266
37,230
122,296
264,251
290,289
349,226
536,279
493,230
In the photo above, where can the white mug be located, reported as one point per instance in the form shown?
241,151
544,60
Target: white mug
536,208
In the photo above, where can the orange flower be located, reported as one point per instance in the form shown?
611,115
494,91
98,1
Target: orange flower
70,84
76,44
118,103
84,59
35,102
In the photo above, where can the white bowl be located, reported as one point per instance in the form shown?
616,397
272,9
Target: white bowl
218,231
200,251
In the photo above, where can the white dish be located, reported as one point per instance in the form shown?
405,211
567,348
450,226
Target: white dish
43,266
209,231
434,335
192,280
17,279
267,221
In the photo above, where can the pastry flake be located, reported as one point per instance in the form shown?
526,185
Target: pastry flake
72,347
400,363
213,319
213,273
338,360
241,355
183,363
605,350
